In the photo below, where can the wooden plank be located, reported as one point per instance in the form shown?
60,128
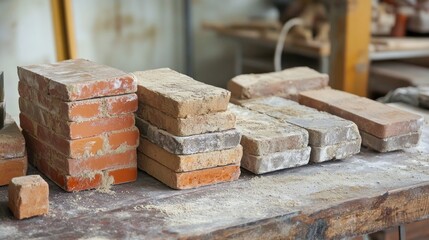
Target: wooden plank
350,37
62,17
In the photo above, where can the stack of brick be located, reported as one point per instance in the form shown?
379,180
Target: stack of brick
78,120
268,144
383,128
330,137
188,136
287,84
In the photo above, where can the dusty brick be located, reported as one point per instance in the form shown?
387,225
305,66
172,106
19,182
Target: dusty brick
12,167
192,125
286,83
28,196
186,163
324,129
123,175
370,116
276,161
392,143
12,143
337,151
190,144
262,134
123,139
178,95
77,79
187,180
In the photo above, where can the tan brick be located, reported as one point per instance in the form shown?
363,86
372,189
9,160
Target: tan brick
178,95
186,163
28,196
12,167
262,134
391,143
187,180
12,143
199,124
370,116
77,79
287,83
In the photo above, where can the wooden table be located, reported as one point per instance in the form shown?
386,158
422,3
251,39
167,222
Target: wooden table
363,194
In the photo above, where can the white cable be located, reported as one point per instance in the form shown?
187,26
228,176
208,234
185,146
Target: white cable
281,41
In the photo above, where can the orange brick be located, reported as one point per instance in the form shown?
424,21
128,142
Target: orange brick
99,126
128,137
10,168
123,175
122,104
78,110
27,124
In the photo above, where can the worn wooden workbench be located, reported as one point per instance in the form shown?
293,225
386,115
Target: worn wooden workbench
363,194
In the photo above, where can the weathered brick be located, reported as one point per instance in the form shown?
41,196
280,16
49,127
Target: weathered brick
28,196
370,116
12,143
324,129
77,79
123,175
178,95
123,139
262,134
337,151
189,144
276,161
198,124
187,180
392,143
287,83
186,163
12,167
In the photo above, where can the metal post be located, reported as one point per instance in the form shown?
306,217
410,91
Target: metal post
189,40
238,59
401,229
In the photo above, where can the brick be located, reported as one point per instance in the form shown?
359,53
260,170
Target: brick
188,180
28,196
12,143
324,129
186,163
392,143
178,95
123,175
337,151
370,116
123,139
276,161
77,79
192,125
80,110
286,83
12,167
189,144
262,134
424,97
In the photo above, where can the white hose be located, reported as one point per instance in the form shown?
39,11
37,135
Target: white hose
281,42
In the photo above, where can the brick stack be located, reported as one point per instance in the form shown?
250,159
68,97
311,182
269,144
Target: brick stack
330,137
188,137
383,128
78,120
287,84
268,144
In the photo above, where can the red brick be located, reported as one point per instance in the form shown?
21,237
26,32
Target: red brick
10,168
12,143
123,175
128,137
77,79
122,104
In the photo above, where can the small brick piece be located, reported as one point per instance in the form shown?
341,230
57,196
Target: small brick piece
262,134
28,196
186,163
378,119
287,83
192,125
337,151
77,79
12,143
276,161
187,180
178,95
392,143
190,144
12,167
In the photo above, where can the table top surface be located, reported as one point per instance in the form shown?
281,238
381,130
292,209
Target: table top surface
362,194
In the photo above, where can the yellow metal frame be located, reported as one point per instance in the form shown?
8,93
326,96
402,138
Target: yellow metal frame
65,41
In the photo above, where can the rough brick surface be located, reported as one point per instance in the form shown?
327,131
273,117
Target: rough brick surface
12,167
28,196
286,83
338,151
370,116
262,134
324,129
178,95
391,143
198,124
12,143
187,180
80,110
77,79
186,163
275,161
190,144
